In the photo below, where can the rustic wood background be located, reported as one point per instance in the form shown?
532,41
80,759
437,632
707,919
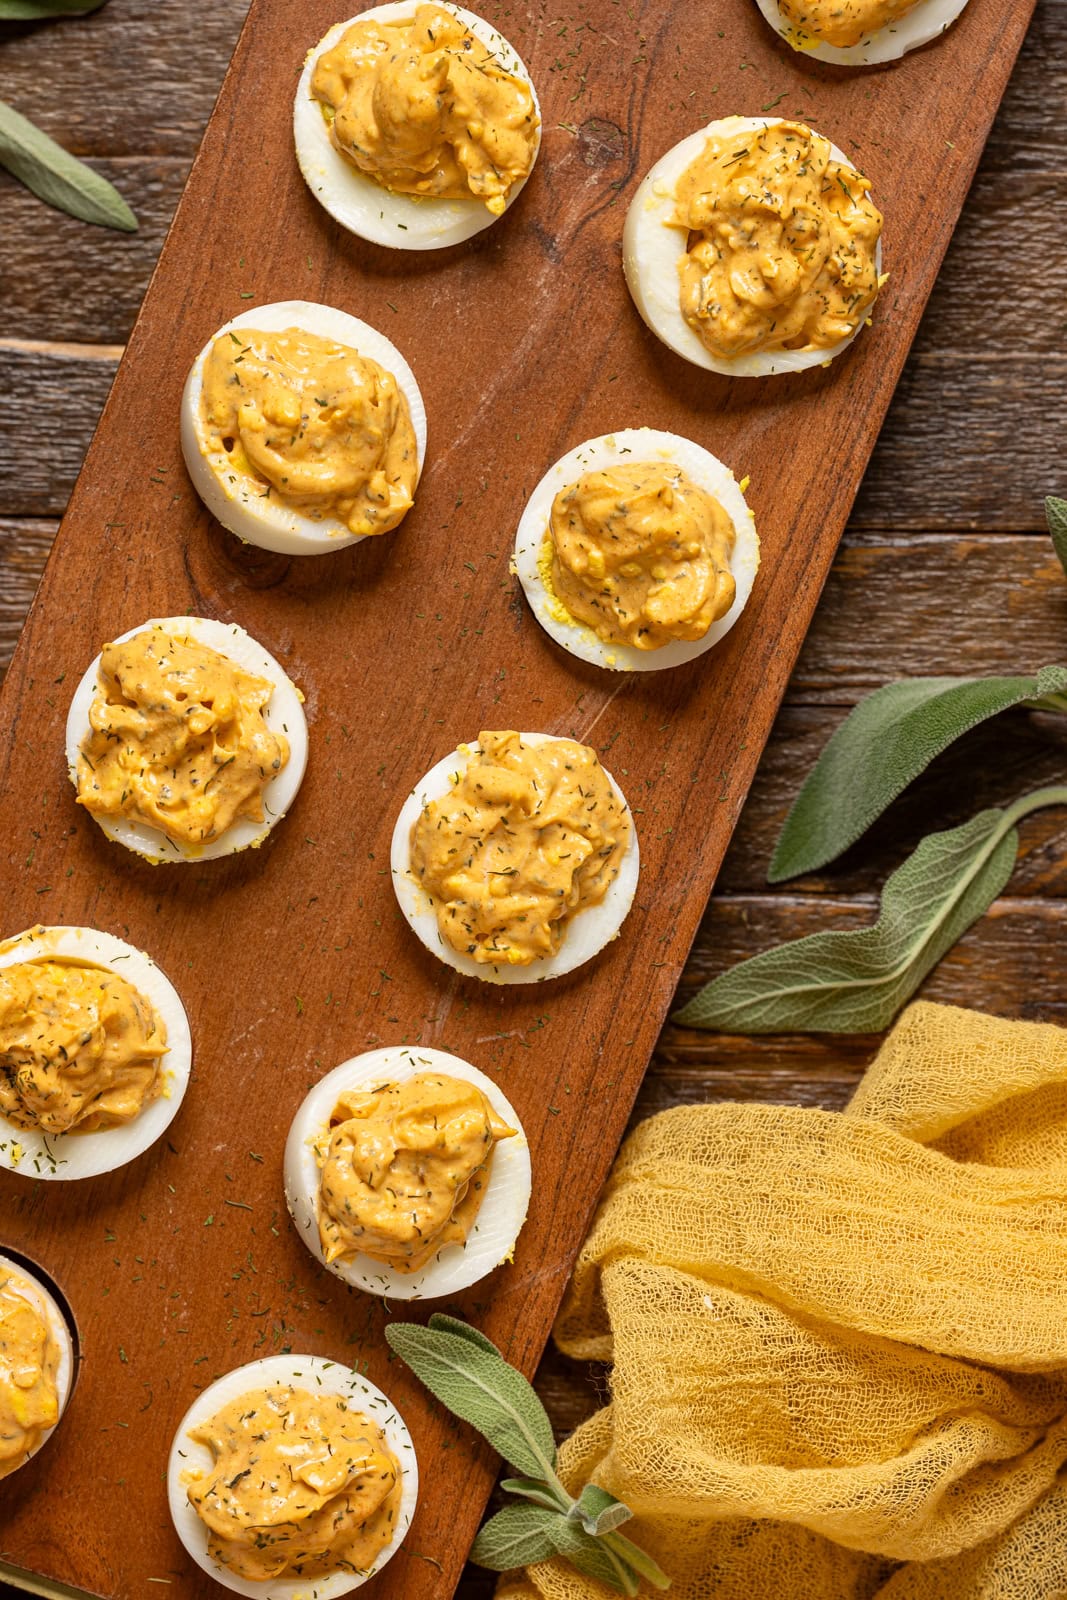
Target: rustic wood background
944,567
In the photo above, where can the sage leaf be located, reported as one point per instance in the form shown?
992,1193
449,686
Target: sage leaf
538,1491
592,1556
33,10
478,1385
57,177
514,1537
1056,517
598,1511
637,1558
885,743
440,1322
855,982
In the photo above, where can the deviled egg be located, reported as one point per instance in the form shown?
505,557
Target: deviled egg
752,248
416,125
637,550
407,1173
516,859
186,740
36,1364
859,33
292,1477
303,428
95,1053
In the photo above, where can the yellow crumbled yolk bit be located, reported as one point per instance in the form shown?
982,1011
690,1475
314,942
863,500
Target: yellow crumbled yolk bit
301,1485
312,423
840,23
80,1048
641,555
404,1169
554,606
544,819
781,243
800,40
29,1364
424,108
177,739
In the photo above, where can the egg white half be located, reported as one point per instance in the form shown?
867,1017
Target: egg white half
47,1307
504,1202
653,245
283,713
319,1375
928,20
399,221
239,502
610,450
34,1154
586,933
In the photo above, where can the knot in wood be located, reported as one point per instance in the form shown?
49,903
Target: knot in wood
600,142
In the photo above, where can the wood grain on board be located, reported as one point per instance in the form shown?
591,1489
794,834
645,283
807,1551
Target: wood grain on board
247,941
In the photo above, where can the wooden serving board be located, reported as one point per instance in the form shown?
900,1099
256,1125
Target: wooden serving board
295,956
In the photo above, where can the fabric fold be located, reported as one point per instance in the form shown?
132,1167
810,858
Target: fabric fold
839,1340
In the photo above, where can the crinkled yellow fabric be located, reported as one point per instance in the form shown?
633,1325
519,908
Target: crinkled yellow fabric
839,1339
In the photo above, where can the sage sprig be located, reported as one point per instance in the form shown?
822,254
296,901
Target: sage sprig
57,177
856,982
1056,517
883,745
467,1373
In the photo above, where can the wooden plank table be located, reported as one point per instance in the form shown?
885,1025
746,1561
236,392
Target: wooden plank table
943,568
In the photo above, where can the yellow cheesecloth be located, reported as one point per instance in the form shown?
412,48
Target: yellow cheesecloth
840,1339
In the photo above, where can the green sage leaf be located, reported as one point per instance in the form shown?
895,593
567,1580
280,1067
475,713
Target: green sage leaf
637,1558
57,177
845,982
478,1385
1056,517
883,745
515,1537
592,1556
538,1491
443,1323
33,10
598,1511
